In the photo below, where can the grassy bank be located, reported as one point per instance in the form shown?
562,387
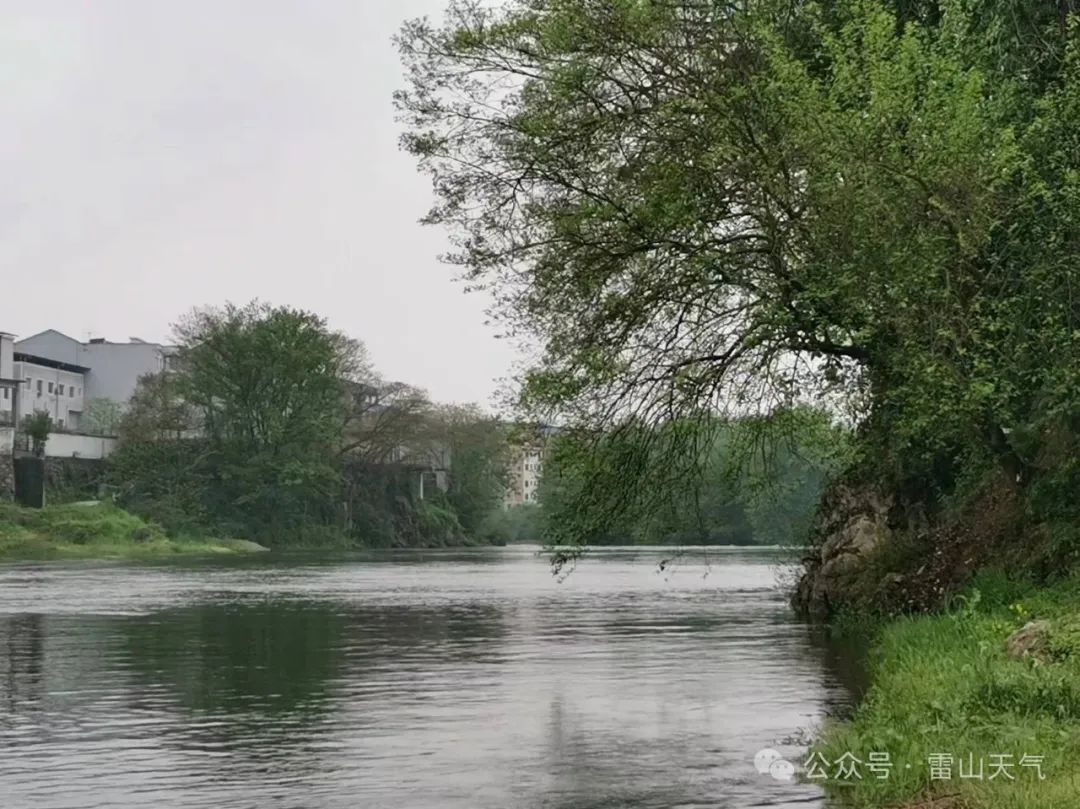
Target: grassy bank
97,531
946,685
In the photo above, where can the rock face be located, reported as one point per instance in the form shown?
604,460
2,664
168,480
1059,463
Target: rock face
853,524
1031,640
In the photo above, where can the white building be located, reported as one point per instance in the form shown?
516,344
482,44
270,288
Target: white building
111,369
56,388
529,448
523,479
30,383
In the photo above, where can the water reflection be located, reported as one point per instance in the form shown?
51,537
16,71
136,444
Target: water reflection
233,658
23,639
459,680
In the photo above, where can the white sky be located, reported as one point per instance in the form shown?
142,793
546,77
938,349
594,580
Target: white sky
156,155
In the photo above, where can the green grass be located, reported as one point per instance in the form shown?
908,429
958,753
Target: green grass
99,531
945,685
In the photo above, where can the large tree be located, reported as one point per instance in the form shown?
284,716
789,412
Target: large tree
268,387
478,451
697,207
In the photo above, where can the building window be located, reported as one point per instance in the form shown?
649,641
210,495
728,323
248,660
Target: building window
5,393
39,387
50,387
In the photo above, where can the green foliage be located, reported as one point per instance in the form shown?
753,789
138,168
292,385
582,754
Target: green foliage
37,426
945,684
168,482
706,208
478,454
266,387
691,483
271,426
101,416
519,523
88,531
437,523
157,411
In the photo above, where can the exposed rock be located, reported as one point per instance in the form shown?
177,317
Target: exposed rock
1031,640
854,524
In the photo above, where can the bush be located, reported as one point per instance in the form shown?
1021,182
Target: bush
520,523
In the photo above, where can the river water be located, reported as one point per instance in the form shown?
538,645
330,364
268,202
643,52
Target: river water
412,680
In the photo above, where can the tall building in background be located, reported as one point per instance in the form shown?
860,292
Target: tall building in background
528,449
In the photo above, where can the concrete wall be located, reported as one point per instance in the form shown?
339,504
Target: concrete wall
7,354
7,440
7,371
68,445
115,368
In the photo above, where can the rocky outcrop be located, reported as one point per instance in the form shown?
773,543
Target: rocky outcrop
852,525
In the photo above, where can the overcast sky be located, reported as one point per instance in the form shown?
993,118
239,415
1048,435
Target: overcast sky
158,155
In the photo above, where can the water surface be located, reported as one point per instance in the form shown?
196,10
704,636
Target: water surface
426,680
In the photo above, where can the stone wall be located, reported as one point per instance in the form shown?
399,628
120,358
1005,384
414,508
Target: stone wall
7,478
74,478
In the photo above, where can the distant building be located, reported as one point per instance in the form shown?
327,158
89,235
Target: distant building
110,370
526,466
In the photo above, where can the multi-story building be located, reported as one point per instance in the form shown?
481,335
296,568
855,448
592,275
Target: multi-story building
56,374
110,370
526,465
57,388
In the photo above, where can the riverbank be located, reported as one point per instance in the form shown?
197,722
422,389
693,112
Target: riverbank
96,531
970,713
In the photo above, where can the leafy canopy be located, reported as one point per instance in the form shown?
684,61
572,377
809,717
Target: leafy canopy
697,207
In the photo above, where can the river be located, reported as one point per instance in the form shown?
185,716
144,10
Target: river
409,680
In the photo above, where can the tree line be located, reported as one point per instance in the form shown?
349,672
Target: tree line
691,482
271,426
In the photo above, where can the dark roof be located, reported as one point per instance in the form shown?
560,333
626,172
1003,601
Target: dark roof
45,361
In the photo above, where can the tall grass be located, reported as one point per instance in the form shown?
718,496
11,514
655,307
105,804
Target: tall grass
89,532
945,685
